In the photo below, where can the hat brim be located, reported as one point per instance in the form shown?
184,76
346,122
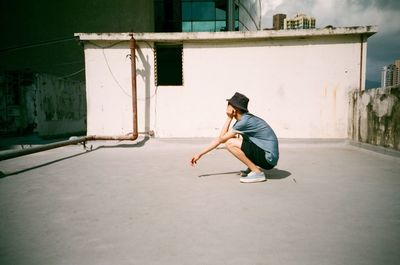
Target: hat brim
236,106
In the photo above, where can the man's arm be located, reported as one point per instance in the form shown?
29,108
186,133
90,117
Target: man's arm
225,128
224,136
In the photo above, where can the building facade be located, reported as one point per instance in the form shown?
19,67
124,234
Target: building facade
390,75
207,15
38,36
249,14
214,65
387,75
278,21
396,74
300,21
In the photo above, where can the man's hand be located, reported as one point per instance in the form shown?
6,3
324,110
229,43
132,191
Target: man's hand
194,160
230,113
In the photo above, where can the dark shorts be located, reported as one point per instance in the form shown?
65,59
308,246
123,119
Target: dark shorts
255,154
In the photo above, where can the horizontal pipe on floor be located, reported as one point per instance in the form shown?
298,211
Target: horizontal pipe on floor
130,137
16,153
75,140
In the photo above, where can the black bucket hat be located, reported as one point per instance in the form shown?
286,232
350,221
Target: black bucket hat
239,101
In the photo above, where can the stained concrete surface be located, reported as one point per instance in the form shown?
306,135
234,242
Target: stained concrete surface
141,203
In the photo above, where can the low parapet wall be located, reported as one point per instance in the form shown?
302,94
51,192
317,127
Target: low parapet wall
374,116
41,103
61,106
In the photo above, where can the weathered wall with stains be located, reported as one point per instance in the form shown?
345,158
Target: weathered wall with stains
374,116
17,103
41,103
61,106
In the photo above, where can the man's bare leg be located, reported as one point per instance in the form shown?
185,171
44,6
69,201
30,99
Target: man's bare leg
234,146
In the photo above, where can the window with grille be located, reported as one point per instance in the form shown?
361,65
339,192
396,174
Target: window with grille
168,61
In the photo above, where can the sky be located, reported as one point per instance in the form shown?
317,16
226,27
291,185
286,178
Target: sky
383,47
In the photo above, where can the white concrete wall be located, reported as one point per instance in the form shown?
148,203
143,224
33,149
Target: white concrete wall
298,85
109,90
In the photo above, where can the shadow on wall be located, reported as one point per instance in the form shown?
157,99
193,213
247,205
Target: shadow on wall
145,74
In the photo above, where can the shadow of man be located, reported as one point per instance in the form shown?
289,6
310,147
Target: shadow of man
274,173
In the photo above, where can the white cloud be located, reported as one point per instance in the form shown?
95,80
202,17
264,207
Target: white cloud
270,5
382,47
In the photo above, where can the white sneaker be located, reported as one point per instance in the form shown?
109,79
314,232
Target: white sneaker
253,177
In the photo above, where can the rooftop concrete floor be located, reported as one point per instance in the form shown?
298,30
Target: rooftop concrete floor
141,203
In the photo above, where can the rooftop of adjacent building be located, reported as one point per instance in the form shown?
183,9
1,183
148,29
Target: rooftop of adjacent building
232,35
327,202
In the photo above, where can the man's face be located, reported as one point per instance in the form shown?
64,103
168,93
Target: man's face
230,111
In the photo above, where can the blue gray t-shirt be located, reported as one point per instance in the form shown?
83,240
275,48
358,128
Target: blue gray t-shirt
260,133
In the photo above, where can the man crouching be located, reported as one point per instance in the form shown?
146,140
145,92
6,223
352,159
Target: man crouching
258,146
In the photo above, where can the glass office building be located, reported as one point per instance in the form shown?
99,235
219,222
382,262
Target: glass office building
207,15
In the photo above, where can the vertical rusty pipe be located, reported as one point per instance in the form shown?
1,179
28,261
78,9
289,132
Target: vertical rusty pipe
361,61
132,46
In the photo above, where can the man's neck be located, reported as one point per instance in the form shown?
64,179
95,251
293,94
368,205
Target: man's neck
238,116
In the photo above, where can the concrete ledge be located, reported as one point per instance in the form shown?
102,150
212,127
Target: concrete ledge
231,35
312,140
375,148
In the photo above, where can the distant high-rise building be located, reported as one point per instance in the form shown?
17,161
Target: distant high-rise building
278,21
387,75
300,21
390,75
396,73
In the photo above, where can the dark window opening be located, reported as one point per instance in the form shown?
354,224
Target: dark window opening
169,65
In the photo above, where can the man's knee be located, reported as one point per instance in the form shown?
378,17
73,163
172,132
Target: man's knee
233,143
228,143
